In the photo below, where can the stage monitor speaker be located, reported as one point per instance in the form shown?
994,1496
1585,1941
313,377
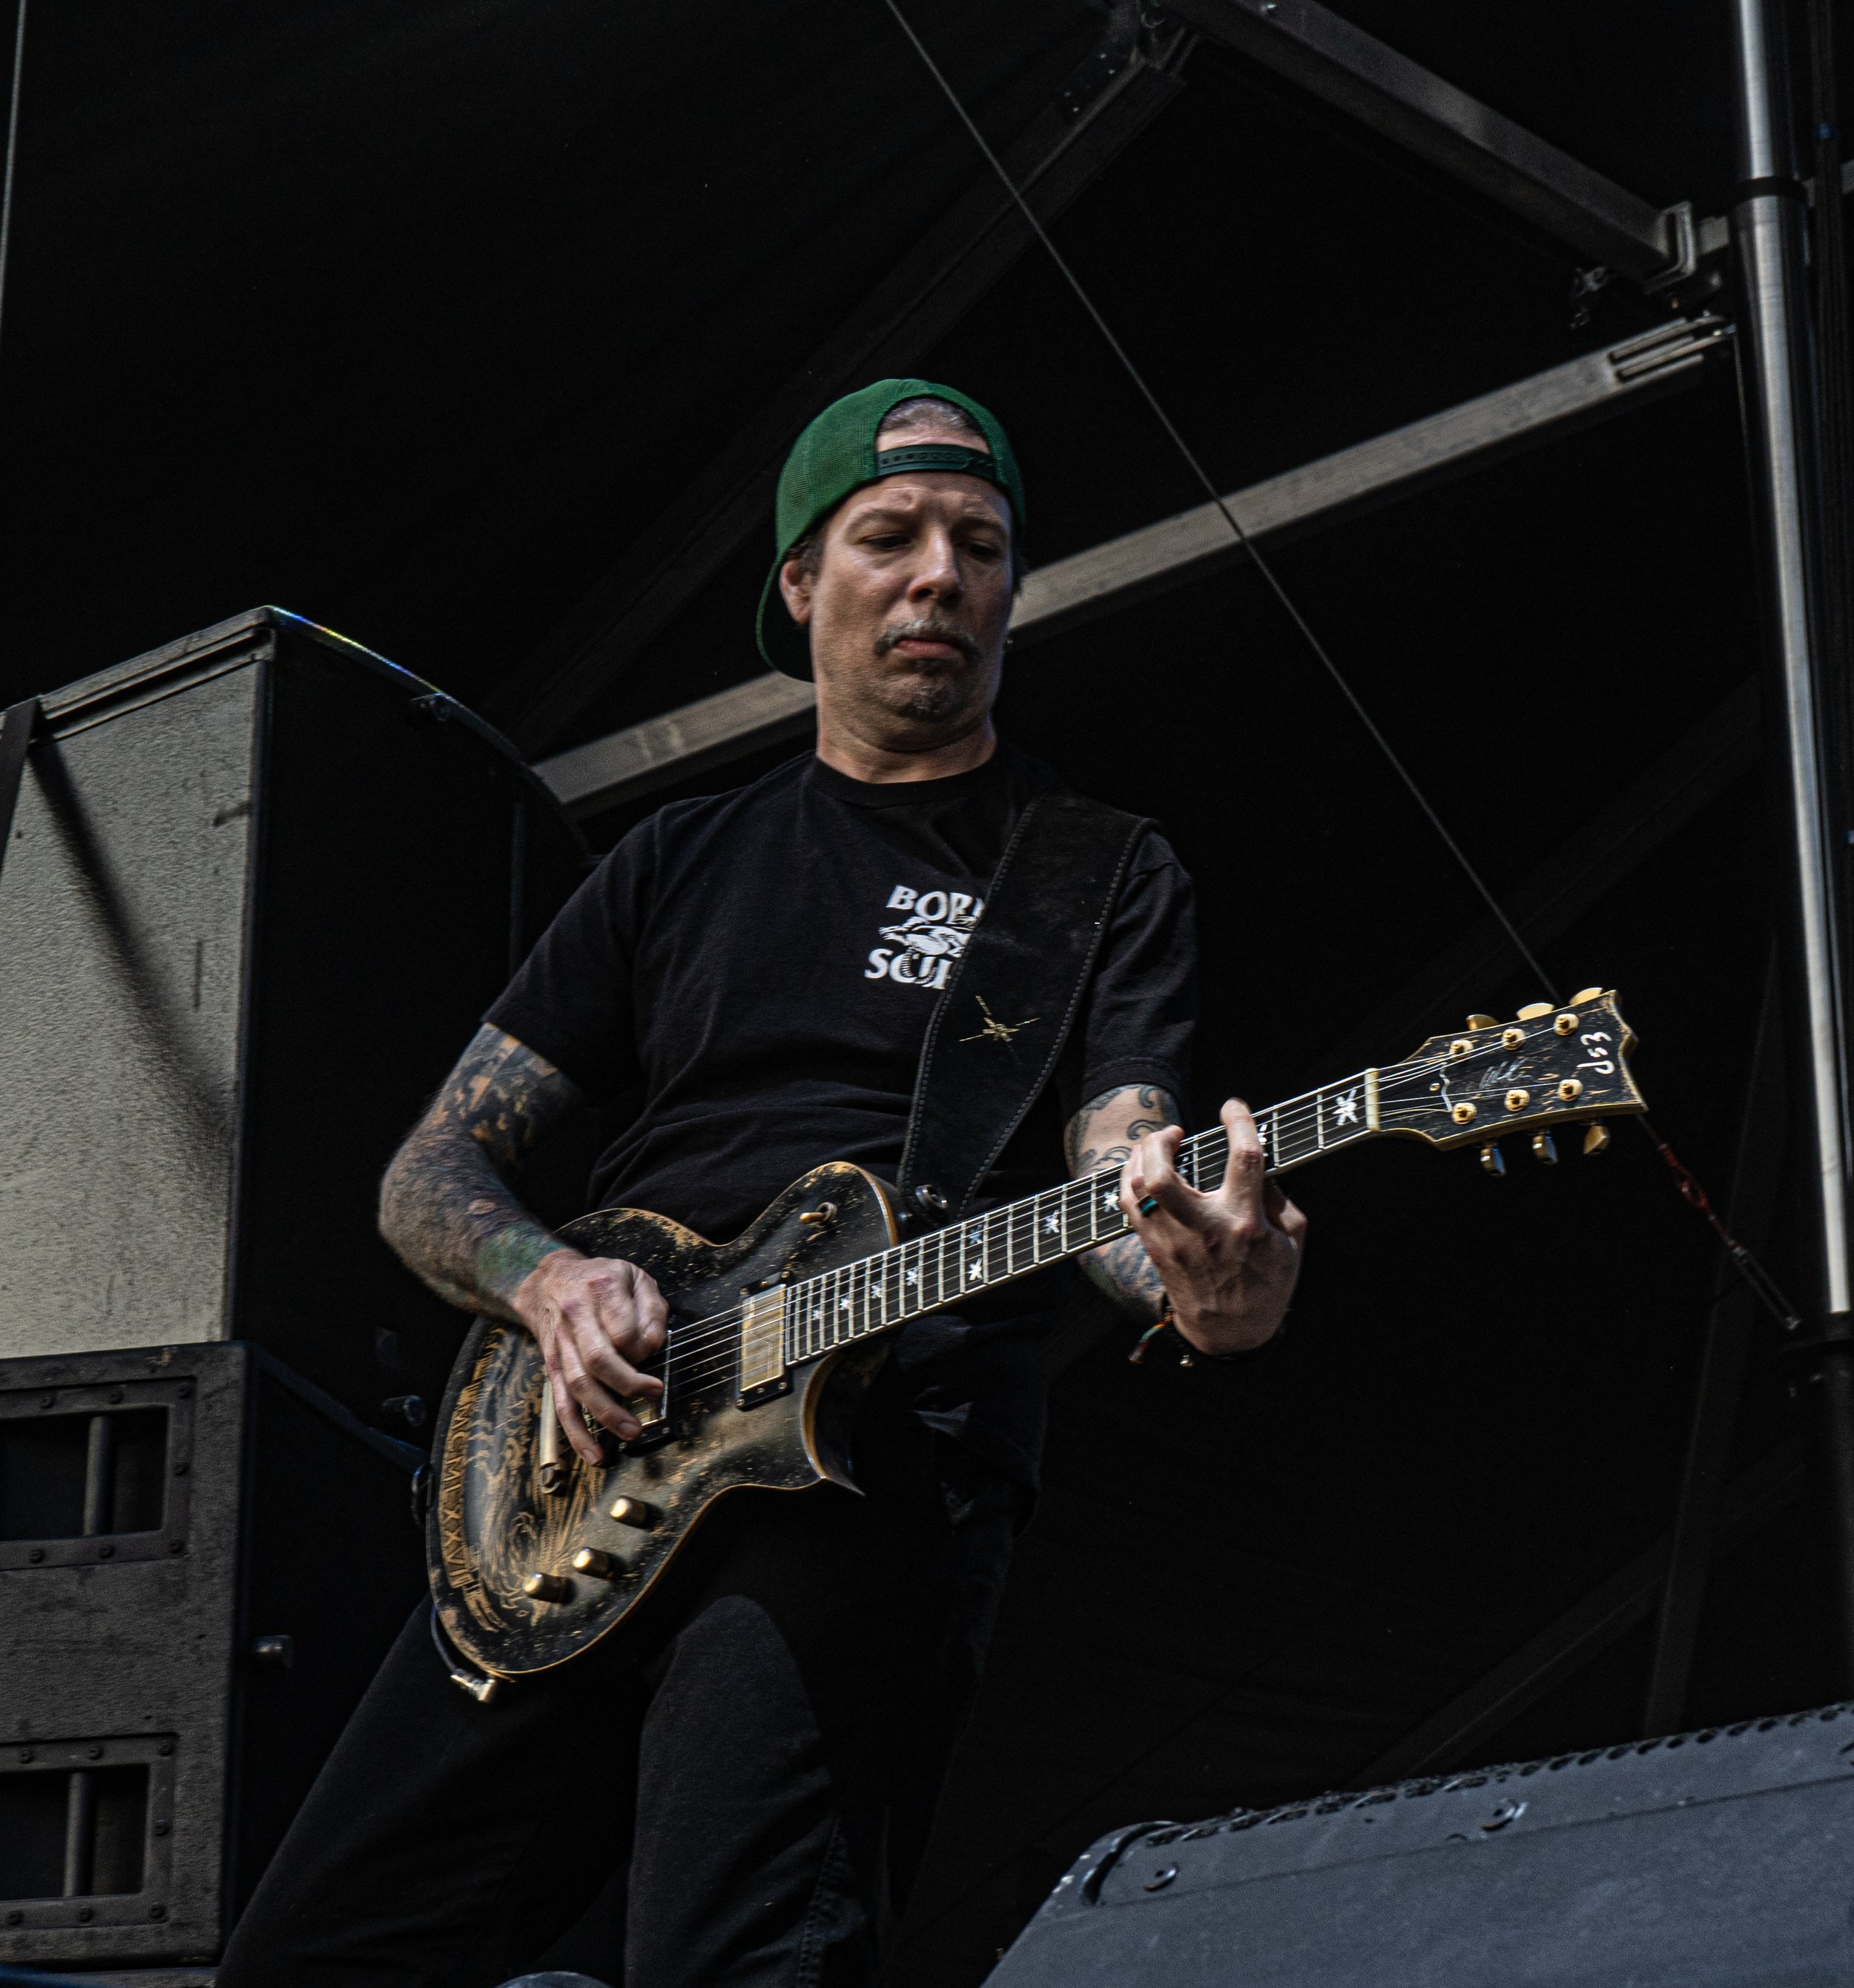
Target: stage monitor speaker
260,888
1717,1859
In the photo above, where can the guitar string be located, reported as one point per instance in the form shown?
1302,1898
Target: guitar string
707,1349
1286,1120
1290,1117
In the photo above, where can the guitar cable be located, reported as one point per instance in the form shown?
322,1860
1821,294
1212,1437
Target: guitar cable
1763,1287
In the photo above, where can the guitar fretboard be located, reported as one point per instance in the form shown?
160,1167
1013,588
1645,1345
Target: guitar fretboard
936,1271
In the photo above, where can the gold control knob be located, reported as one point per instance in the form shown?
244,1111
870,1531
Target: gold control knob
547,1588
1571,1087
1597,1139
635,1512
600,1565
1544,1150
1492,1161
1517,1100
1480,1021
1584,994
1532,1009
1462,1113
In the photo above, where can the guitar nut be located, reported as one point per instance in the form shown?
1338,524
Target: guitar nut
1572,1087
1517,1100
1462,1113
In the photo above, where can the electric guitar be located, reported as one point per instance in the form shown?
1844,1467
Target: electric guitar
536,1554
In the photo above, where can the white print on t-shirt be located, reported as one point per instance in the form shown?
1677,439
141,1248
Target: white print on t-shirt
926,943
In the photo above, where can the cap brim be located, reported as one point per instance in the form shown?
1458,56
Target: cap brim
785,645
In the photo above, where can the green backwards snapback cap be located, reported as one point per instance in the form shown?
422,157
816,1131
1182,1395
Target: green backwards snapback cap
837,455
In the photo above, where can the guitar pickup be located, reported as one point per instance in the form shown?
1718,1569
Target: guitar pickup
762,1347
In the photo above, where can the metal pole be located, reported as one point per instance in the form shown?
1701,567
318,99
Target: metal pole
1768,223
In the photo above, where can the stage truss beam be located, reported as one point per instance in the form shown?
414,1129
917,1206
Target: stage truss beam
1357,73
626,764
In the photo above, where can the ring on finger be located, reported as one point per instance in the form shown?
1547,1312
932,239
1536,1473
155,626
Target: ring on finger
1147,1206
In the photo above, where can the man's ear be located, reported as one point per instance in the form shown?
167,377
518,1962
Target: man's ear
795,589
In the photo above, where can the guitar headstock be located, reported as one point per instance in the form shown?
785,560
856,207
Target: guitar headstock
1550,1066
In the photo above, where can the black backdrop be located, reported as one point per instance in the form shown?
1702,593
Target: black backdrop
411,321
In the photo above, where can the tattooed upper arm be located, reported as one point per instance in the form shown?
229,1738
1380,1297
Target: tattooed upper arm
1103,1132
504,1097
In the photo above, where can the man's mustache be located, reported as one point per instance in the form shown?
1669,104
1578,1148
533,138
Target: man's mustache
927,628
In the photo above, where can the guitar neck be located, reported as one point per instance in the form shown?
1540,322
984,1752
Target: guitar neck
936,1270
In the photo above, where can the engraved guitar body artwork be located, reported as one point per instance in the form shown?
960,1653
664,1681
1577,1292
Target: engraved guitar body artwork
536,1554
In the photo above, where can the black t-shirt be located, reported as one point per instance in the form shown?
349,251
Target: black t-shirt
744,981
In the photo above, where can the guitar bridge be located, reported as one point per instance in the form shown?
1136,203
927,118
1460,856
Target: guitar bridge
762,1347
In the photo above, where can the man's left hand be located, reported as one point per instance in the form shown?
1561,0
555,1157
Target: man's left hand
1228,1259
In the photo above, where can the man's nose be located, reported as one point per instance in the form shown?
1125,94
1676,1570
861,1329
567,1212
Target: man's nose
936,574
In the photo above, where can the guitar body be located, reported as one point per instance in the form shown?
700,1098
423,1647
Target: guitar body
493,1524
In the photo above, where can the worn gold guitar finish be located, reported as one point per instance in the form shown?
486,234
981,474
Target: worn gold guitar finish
535,1554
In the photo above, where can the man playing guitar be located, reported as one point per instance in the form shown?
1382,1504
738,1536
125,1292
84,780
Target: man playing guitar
743,986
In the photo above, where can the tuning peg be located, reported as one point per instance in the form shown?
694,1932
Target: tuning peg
1545,1149
1532,1009
1480,1021
1596,1140
547,1588
1582,995
1492,1160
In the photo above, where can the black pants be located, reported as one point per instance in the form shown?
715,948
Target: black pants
753,1778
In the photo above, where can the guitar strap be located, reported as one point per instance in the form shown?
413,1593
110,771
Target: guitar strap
17,725
996,1031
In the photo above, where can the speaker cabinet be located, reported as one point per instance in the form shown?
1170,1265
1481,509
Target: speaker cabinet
201,1559
1715,1859
259,888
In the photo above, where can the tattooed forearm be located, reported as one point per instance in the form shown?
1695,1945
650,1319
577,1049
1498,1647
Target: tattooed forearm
1102,1134
445,1206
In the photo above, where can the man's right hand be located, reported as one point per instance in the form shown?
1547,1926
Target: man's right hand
597,1319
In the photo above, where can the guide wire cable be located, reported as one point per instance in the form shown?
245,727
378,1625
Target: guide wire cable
1216,497
12,147
1743,1260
